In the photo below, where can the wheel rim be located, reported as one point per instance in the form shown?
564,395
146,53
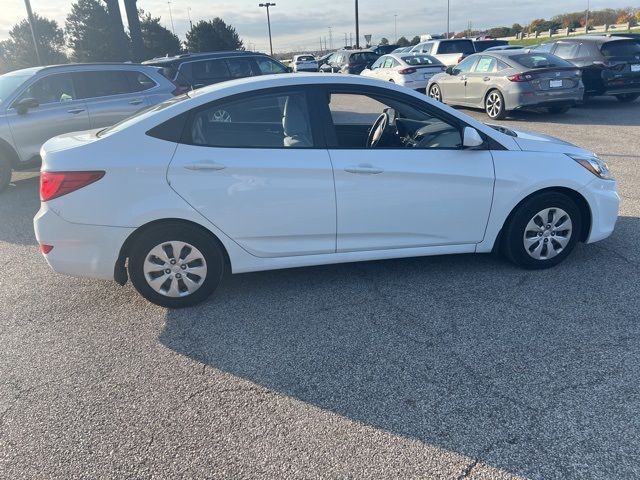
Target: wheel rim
434,92
548,233
175,269
494,104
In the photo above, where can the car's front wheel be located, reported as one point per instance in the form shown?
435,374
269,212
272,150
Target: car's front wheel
494,105
542,231
628,97
176,265
435,92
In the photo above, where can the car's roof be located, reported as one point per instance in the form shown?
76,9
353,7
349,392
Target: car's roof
184,57
594,39
78,66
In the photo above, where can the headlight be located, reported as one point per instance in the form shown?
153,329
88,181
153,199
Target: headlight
594,165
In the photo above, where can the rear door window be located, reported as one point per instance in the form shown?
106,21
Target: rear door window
103,83
485,65
456,46
240,67
138,81
566,50
209,71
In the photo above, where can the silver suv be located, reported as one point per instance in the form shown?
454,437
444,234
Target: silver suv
39,103
449,51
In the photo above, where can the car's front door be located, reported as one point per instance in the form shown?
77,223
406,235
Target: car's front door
454,86
428,191
253,167
479,78
109,95
59,111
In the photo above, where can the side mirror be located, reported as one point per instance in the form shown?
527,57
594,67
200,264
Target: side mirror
289,69
449,71
23,106
471,138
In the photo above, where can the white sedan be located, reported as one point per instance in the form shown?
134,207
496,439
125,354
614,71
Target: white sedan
294,170
409,70
304,63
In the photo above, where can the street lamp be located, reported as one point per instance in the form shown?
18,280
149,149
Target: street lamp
395,27
267,5
357,27
34,35
448,19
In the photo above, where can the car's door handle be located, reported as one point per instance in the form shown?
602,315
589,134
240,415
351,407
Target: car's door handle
363,168
486,79
76,110
137,101
204,166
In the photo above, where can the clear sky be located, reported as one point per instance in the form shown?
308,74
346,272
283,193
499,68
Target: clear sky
299,24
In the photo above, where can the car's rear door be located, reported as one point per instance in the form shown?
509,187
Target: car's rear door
109,95
396,196
254,166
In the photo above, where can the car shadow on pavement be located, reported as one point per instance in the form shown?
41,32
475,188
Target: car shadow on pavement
591,113
18,205
533,372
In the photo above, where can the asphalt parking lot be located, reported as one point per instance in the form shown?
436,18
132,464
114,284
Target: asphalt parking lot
440,367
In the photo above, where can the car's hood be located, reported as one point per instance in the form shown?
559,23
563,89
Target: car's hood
69,140
539,142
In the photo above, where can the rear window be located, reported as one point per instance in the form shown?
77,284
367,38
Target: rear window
306,58
456,46
482,45
420,60
363,57
621,48
539,60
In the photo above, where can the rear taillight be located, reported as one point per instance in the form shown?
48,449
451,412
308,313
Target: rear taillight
44,249
520,77
56,184
460,58
407,71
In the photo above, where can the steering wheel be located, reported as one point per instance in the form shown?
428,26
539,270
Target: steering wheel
378,130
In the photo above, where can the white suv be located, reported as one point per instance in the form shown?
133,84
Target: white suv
42,102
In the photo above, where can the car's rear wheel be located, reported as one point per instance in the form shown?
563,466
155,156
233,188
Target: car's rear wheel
494,105
5,173
435,92
628,97
542,231
175,265
558,110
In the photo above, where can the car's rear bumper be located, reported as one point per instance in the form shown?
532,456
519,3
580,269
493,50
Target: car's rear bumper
604,202
79,250
540,99
622,90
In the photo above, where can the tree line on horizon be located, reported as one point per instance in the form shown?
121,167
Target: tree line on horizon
87,37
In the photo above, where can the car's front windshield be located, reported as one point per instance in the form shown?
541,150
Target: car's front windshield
10,83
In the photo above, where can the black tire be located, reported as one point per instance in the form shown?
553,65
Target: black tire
208,246
435,92
5,173
628,97
558,110
513,244
494,105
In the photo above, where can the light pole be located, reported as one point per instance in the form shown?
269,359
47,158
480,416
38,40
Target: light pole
189,14
34,36
448,18
267,5
330,40
586,20
171,17
357,27
395,27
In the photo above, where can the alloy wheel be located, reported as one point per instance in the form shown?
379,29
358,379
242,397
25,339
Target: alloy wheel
547,233
175,269
434,92
494,104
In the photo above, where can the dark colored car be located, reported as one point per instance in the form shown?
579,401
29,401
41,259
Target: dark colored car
383,49
482,45
349,61
324,59
195,70
610,65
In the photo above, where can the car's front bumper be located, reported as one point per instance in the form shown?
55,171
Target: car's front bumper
604,201
79,250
